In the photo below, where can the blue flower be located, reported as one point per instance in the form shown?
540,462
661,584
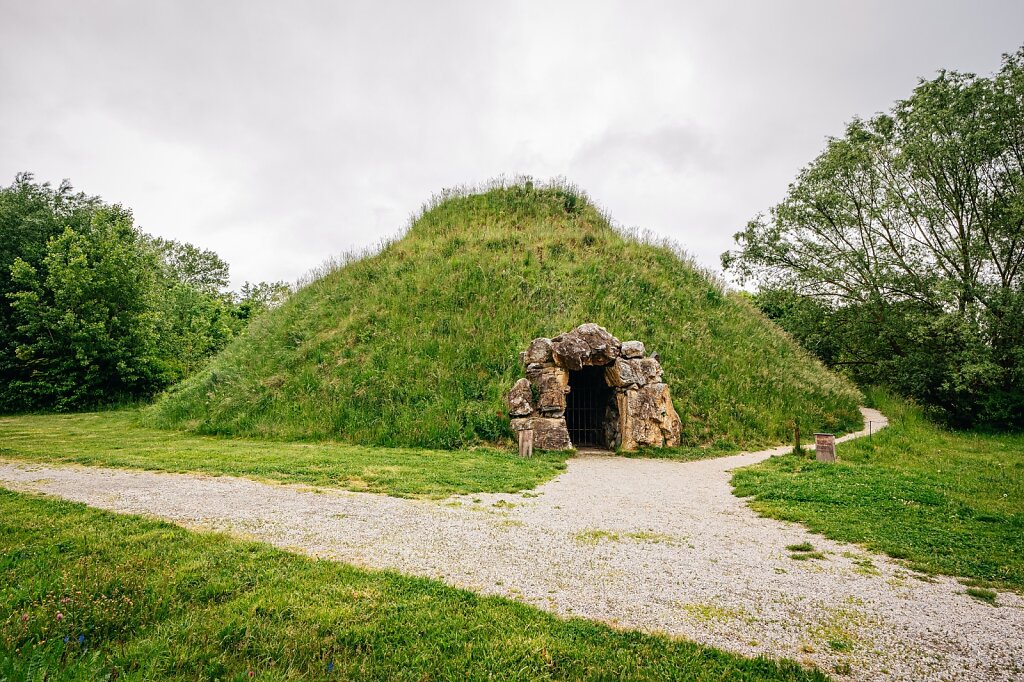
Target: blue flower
66,638
81,639
330,666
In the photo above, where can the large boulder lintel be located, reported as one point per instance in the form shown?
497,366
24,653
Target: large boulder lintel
625,373
587,344
621,374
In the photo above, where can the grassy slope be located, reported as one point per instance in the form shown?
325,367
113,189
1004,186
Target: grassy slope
416,345
947,502
115,439
152,601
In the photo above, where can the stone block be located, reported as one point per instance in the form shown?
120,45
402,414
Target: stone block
550,434
539,351
519,400
587,344
633,349
647,417
552,384
621,374
648,371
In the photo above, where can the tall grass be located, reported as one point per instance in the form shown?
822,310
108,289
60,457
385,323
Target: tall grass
415,344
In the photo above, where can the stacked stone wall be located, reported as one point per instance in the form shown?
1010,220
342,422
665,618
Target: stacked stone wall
640,413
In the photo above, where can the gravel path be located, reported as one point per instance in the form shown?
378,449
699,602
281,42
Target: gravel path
638,543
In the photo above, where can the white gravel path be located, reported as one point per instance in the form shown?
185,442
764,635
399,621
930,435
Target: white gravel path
638,543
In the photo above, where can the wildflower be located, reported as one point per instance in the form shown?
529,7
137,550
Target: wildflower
252,674
60,616
24,618
81,639
66,638
330,666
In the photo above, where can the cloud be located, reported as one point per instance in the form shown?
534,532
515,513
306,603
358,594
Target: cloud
675,148
280,134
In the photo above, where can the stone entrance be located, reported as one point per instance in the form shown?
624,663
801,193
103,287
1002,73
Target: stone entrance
586,406
586,388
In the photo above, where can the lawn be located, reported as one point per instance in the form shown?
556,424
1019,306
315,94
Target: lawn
945,501
116,439
89,595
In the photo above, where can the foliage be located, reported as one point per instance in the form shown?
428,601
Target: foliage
143,600
901,248
84,328
946,501
30,215
93,311
200,269
254,299
116,439
416,345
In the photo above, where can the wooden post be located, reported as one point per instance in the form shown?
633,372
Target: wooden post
825,447
526,443
797,448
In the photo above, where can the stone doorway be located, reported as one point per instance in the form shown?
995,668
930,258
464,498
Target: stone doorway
587,388
586,407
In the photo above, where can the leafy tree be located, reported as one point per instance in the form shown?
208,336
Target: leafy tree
900,250
30,215
198,268
94,311
254,299
85,329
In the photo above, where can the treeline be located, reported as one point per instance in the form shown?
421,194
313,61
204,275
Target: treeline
898,254
93,311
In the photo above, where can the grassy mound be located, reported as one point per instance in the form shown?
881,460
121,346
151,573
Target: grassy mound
415,346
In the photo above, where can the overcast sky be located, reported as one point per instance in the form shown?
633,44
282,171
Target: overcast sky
280,133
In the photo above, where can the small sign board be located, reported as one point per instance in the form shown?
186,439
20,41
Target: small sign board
825,447
526,443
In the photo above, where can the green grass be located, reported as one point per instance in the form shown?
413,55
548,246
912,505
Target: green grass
806,556
116,439
945,501
151,601
595,536
416,345
981,594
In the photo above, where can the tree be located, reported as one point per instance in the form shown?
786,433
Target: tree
908,235
254,299
85,329
94,311
199,268
30,215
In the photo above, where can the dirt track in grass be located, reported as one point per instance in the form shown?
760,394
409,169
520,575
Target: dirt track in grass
655,545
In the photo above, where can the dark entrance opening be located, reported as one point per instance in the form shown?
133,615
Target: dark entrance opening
585,407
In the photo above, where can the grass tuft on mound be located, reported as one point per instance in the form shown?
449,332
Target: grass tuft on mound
415,346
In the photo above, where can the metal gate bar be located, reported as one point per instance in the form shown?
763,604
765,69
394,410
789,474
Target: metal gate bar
585,406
